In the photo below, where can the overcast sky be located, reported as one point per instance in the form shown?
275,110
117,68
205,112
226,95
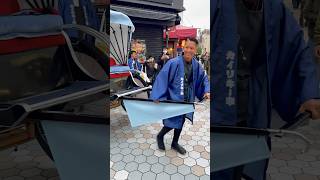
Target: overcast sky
197,13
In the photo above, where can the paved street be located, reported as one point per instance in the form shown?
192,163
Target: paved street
134,153
28,163
288,163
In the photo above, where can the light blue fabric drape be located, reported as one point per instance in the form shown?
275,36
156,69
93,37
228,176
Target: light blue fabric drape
144,112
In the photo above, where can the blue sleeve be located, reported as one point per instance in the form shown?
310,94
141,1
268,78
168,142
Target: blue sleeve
295,79
203,84
130,63
160,86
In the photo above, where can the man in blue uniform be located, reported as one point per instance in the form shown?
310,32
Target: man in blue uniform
260,62
181,79
133,61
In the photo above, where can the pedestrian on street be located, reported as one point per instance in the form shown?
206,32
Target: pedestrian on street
181,79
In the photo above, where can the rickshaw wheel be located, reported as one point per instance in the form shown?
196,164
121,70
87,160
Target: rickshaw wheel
141,83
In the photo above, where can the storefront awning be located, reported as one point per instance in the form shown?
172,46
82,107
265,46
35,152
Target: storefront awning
181,32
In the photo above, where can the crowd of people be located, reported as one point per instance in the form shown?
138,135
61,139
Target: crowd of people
151,66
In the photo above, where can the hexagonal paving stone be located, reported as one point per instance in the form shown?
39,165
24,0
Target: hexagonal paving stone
315,164
163,176
49,173
281,176
164,160
305,177
207,170
128,158
183,156
140,159
136,152
7,165
148,152
116,157
144,146
198,148
191,177
117,166
205,177
141,140
306,158
148,176
203,143
313,152
194,154
171,153
182,142
202,162
22,152
184,170
205,155
207,148
126,151
134,145
311,170
14,178
157,168
159,153
144,167
112,173
46,165
196,138
138,136
171,169
290,170
30,172
198,170
115,150
192,142
177,176
19,159
136,175
121,175
277,163
177,161
152,159
188,148
131,166
9,172
111,164
151,141
186,137
298,163
131,140
272,169
189,161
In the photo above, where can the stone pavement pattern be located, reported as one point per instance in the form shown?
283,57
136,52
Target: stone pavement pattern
134,153
288,163
28,163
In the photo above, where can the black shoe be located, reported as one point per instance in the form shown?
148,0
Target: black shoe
178,148
160,143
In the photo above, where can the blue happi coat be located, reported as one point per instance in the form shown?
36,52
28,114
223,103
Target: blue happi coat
290,70
169,86
134,64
